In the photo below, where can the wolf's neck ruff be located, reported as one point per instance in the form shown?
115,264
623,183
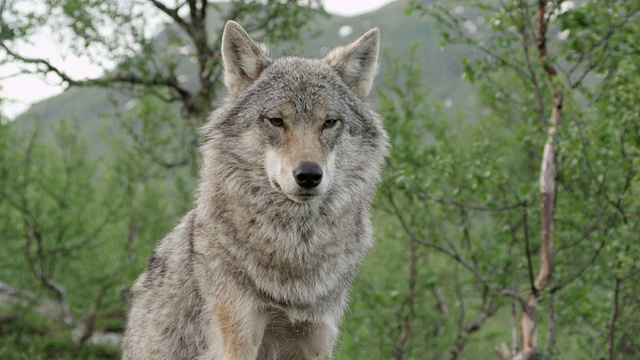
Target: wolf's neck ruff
296,252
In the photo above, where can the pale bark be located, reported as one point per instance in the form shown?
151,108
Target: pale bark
548,186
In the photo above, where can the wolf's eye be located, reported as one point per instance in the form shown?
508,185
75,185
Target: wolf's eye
276,121
329,123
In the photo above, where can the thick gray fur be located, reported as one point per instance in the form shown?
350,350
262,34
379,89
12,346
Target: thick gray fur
261,267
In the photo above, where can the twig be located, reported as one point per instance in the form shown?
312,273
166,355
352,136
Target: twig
452,255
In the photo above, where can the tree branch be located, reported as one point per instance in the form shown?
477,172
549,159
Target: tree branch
611,338
453,255
173,14
462,205
169,81
524,19
471,327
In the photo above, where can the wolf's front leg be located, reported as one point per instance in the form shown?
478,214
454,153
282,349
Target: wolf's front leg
239,330
319,340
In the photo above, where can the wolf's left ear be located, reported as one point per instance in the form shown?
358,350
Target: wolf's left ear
244,59
357,62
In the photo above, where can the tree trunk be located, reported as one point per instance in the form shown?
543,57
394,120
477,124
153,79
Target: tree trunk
548,174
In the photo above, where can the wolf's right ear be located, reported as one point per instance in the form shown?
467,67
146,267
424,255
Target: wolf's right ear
244,59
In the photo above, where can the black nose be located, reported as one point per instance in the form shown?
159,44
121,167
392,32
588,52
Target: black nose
308,174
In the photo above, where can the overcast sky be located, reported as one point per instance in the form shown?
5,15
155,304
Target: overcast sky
353,7
22,91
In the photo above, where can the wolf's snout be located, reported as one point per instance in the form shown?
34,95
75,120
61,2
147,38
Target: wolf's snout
308,174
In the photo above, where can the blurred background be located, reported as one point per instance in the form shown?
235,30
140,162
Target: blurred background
507,222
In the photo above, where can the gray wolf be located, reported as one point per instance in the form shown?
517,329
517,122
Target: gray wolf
261,267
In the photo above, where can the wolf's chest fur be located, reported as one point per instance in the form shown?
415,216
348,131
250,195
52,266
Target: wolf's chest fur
291,257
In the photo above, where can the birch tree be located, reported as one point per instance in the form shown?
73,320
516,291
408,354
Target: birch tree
547,70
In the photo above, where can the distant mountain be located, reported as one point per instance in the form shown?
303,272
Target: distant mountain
441,70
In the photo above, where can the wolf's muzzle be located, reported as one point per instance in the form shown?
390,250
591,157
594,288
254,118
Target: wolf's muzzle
308,174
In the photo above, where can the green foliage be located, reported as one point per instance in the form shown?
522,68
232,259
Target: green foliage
479,182
38,186
85,226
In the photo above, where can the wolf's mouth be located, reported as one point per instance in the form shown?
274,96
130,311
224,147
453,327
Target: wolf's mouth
299,197
302,197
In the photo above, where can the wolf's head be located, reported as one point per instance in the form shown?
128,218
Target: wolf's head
304,122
